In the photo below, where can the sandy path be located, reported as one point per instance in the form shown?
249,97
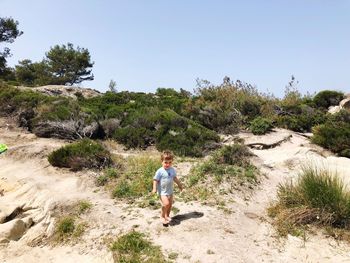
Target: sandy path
202,234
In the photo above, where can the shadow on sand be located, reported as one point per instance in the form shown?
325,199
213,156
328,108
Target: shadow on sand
176,220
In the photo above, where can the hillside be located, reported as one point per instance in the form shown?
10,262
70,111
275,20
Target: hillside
34,193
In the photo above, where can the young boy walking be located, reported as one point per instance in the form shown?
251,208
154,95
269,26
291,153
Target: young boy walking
163,183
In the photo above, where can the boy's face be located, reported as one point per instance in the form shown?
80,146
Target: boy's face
167,163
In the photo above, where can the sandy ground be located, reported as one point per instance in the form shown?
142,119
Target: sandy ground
202,234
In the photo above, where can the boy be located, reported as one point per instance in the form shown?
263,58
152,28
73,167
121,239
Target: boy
163,184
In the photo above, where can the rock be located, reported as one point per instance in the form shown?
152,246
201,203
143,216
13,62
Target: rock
345,103
12,230
66,91
334,109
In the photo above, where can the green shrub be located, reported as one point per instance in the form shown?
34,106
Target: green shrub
67,228
260,126
133,247
327,98
318,197
167,130
101,180
334,134
236,154
133,137
84,206
82,154
301,118
136,181
13,99
228,169
66,225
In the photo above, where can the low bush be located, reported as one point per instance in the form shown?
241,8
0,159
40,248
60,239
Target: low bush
228,170
136,180
260,126
300,118
13,99
133,247
82,154
334,134
84,206
167,130
67,228
326,98
319,197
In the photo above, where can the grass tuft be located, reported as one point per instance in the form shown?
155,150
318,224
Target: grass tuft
319,197
133,247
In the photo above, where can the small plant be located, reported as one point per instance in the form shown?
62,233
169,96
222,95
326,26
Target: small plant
173,256
318,197
136,181
82,154
66,225
260,126
84,206
228,169
175,210
327,98
111,173
334,134
134,247
101,180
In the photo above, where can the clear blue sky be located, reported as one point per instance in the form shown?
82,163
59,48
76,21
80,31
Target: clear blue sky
146,44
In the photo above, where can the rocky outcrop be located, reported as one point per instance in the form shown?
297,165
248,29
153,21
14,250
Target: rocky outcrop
344,104
65,91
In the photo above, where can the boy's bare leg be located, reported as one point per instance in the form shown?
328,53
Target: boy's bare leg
165,205
170,198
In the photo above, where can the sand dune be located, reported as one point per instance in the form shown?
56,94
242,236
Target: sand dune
32,190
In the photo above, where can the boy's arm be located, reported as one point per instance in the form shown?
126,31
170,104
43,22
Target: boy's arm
179,184
155,183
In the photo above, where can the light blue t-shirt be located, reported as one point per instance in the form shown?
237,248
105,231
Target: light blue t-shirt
165,178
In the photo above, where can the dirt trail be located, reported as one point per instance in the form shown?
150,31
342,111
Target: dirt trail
200,233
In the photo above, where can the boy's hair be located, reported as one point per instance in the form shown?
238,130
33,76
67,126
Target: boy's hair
167,156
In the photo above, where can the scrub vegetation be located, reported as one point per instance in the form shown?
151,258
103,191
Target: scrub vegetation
318,198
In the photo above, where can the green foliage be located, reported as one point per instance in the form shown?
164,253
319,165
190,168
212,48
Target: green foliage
66,225
301,118
326,98
82,154
68,228
236,154
260,126
133,247
318,197
68,65
63,65
228,169
166,129
136,181
225,107
12,99
8,33
84,206
33,74
60,110
334,134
